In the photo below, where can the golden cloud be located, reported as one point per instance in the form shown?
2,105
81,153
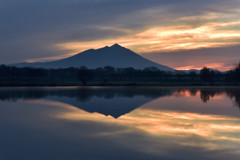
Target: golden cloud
167,38
170,38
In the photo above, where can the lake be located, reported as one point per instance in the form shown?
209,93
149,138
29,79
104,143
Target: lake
119,123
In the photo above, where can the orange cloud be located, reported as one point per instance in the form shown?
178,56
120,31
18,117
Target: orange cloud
166,38
170,38
188,67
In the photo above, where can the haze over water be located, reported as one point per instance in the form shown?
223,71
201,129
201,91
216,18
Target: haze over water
147,123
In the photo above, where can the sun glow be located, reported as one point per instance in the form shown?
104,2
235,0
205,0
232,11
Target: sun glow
166,38
170,38
218,66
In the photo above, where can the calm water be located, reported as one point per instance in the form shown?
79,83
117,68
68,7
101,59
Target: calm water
135,123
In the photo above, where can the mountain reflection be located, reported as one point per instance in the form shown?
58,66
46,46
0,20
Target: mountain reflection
113,101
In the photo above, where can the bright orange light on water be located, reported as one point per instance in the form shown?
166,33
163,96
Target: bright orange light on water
184,128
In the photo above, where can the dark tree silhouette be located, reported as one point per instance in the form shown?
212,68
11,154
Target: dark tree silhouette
237,72
84,75
207,75
110,76
234,74
193,74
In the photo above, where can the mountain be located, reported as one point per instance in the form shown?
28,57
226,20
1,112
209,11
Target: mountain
115,56
198,71
189,71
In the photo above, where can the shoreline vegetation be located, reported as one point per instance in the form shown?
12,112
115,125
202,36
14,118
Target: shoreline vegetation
109,76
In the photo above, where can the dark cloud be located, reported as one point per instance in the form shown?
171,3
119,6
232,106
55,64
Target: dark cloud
30,28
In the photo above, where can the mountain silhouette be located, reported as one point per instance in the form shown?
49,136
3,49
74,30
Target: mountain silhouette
115,56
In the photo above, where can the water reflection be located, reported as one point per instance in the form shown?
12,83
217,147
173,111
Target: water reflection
120,123
113,101
107,101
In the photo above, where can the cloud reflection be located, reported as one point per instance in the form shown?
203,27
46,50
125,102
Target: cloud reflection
183,128
176,121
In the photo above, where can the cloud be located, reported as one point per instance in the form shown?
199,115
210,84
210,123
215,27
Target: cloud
222,58
32,29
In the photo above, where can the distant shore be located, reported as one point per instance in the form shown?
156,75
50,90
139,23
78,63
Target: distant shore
110,76
125,83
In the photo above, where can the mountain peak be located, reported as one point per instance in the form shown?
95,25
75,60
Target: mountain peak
106,47
116,46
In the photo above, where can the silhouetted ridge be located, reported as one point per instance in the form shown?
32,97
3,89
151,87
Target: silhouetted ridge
116,46
115,56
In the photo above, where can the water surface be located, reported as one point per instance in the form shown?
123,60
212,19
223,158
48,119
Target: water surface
116,123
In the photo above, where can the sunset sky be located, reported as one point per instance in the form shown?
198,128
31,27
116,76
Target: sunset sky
181,34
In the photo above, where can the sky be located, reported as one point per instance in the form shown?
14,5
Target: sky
181,34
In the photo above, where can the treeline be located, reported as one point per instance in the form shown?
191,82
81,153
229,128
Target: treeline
108,74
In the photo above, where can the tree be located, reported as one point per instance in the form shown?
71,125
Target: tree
237,72
234,74
84,75
206,74
192,74
179,74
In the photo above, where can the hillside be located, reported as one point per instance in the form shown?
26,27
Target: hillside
115,56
